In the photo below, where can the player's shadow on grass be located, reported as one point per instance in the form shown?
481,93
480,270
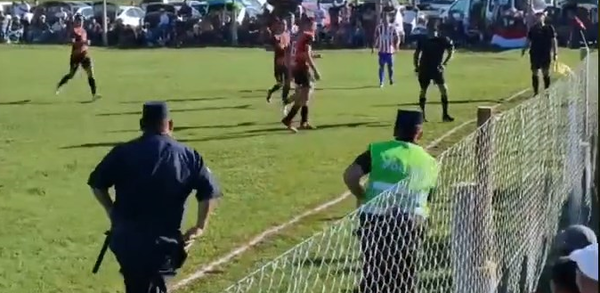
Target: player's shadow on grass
178,100
183,128
333,88
21,102
242,134
240,107
434,102
280,130
92,145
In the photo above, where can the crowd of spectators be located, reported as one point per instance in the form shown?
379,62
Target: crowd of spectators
346,26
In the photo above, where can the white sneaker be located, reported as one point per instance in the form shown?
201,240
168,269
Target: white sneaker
96,97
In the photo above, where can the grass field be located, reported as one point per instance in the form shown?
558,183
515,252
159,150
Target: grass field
52,227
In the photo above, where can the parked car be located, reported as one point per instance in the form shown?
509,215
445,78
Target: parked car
131,15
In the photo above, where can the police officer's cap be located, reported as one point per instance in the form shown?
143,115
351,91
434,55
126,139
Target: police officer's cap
407,119
574,237
155,112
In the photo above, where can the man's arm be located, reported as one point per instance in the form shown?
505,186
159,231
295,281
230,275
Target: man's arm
554,42
359,168
397,39
417,55
104,177
449,50
527,44
207,191
311,61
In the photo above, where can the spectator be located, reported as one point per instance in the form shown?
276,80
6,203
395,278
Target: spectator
61,14
41,31
21,8
564,275
185,11
164,24
4,21
587,268
15,30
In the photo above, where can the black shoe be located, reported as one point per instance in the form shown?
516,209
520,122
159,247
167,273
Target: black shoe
447,118
269,94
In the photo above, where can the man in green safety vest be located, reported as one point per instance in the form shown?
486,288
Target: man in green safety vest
394,206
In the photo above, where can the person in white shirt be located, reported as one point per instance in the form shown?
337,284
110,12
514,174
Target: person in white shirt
387,41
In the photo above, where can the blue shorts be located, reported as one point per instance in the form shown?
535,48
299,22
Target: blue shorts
386,58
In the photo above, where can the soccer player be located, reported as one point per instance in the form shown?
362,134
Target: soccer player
543,49
387,40
429,65
281,41
302,65
79,56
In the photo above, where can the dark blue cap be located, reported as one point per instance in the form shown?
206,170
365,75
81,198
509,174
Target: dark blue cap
573,238
155,112
406,119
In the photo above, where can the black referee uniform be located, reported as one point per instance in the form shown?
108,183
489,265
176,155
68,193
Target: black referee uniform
429,65
542,45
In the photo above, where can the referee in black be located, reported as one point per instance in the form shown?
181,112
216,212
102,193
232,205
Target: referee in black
152,177
543,49
430,63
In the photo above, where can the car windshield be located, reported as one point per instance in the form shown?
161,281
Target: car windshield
437,1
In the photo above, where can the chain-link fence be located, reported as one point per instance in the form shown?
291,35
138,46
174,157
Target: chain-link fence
500,194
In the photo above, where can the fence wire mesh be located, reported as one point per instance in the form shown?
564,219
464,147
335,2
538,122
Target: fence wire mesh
493,214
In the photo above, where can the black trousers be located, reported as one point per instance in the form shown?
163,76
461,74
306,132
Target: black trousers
147,261
389,246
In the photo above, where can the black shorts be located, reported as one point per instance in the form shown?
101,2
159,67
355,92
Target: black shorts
281,73
80,59
540,61
302,77
427,75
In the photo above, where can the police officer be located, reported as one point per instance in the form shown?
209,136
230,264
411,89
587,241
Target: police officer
394,206
152,176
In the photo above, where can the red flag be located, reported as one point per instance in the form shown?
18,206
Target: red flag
578,23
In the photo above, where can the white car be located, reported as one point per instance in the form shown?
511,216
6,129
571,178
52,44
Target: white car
131,15
87,12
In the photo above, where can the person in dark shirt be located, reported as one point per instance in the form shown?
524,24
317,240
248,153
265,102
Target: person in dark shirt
543,49
429,65
564,275
280,40
152,176
391,225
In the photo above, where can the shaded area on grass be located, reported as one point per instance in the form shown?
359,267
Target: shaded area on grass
239,107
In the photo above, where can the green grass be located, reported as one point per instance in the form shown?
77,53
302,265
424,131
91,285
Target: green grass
52,227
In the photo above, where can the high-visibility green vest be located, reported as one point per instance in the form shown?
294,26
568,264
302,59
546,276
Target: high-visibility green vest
403,174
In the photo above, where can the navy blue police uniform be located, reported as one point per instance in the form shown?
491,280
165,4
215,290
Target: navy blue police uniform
153,176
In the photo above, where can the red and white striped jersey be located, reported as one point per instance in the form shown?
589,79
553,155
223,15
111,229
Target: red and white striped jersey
386,38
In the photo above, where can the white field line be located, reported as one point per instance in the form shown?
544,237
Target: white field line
203,271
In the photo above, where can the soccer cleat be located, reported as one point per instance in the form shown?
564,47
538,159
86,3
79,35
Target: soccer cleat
289,126
447,118
307,126
380,84
57,91
96,97
391,82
